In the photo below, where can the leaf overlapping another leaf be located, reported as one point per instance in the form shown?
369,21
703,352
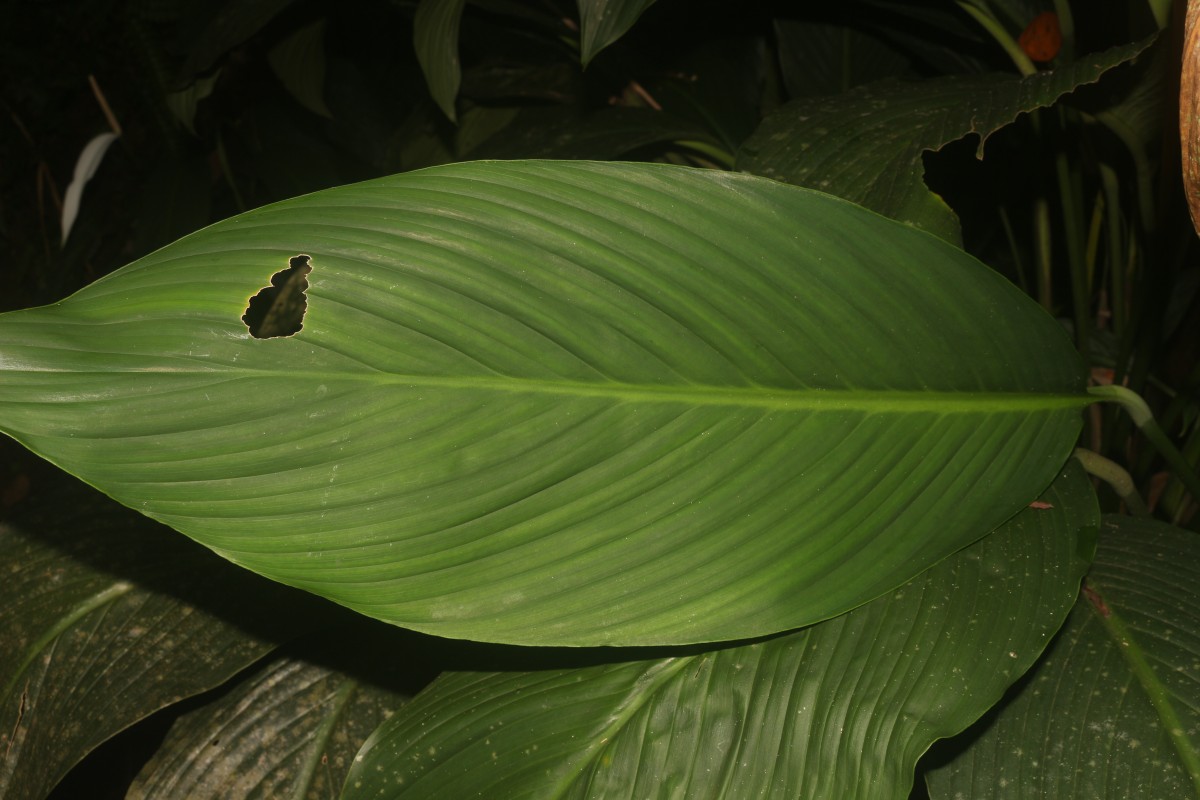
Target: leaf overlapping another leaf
561,403
841,709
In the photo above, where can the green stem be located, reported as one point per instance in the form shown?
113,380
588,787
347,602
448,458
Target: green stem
992,25
1116,477
1066,26
1071,202
1144,419
716,153
1045,267
1158,694
1161,9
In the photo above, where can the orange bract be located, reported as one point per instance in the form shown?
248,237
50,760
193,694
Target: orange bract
1042,39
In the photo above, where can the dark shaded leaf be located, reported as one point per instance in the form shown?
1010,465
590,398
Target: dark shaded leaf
866,145
107,618
841,709
1112,711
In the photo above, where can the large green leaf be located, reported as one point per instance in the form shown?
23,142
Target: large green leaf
1113,708
561,402
867,144
842,709
106,620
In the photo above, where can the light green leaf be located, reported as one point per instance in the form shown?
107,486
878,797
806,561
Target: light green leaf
561,402
107,618
866,145
839,710
602,22
1112,711
435,37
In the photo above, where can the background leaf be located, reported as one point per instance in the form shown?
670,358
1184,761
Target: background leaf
602,22
866,145
819,58
841,709
1087,722
291,729
435,37
234,23
605,134
561,402
108,618
299,62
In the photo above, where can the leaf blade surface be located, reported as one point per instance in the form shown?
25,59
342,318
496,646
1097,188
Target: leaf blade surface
561,403
840,709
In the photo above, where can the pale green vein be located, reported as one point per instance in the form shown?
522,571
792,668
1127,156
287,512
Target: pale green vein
81,610
773,399
1159,696
640,694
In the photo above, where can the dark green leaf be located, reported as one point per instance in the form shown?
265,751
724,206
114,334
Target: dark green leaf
299,63
842,709
866,145
234,23
606,134
818,58
1112,711
290,729
108,618
602,22
435,36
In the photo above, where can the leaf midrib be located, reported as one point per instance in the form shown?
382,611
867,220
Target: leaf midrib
775,399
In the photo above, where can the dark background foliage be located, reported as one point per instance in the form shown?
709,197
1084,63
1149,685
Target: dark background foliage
227,106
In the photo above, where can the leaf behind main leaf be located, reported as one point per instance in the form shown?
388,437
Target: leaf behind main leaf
1111,709
841,709
561,403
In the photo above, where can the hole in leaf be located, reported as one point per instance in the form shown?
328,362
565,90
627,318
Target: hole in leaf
278,309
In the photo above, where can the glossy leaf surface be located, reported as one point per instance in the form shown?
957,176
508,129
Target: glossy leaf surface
841,709
561,403
1113,708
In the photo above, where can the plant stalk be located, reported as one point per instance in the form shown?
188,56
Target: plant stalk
1141,415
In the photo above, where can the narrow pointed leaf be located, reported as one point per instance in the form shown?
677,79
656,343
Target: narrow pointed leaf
299,63
1112,710
841,709
866,145
602,22
107,618
561,402
435,37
